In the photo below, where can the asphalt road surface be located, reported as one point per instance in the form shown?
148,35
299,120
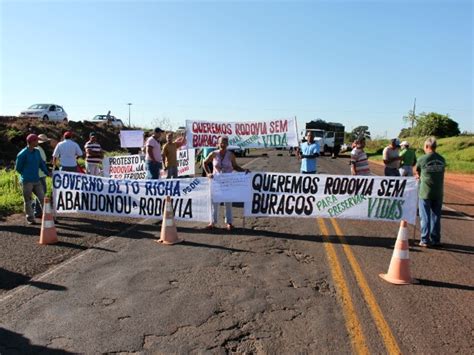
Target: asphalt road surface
273,285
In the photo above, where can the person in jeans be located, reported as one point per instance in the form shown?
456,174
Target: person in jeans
407,159
28,163
223,162
430,173
170,160
67,153
308,153
42,138
391,158
153,155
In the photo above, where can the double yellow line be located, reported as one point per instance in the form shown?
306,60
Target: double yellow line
353,324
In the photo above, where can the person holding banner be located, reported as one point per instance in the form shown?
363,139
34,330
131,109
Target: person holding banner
153,155
223,162
170,161
308,153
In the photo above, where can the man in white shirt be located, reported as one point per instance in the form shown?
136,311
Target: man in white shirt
67,152
153,155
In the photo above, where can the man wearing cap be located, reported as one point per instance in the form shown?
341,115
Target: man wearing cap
42,138
67,152
28,163
153,155
94,155
391,158
407,159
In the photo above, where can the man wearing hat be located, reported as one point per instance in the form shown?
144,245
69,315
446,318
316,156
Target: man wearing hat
28,163
407,159
67,152
94,155
153,154
391,158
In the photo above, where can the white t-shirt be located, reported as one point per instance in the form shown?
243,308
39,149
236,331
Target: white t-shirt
67,151
152,142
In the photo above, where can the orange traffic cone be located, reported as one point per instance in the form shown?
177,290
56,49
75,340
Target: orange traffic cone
169,233
48,229
399,269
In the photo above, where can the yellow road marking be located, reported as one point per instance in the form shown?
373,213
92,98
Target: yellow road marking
353,324
382,325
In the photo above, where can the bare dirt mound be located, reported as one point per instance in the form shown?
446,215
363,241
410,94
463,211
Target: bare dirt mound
13,132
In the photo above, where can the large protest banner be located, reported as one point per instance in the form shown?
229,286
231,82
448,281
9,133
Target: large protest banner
330,196
259,134
73,192
133,166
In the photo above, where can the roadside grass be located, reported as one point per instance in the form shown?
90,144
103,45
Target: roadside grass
458,151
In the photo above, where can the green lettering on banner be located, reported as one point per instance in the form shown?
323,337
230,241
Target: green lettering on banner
385,208
346,204
275,140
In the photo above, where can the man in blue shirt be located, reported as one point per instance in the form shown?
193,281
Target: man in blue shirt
28,163
308,153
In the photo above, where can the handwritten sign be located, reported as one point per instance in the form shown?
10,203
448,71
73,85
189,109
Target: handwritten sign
131,139
231,187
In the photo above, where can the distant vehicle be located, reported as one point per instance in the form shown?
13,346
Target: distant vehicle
114,121
344,148
329,135
45,112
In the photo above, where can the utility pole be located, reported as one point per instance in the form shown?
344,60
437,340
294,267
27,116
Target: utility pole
129,104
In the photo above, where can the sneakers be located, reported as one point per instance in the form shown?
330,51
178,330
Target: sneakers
229,226
31,221
423,244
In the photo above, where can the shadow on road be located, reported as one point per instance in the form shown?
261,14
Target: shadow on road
432,283
81,247
9,280
211,246
15,343
455,215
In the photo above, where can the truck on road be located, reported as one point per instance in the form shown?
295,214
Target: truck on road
329,135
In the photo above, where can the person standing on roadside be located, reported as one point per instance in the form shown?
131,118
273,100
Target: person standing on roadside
407,159
153,155
170,160
42,138
67,153
94,155
430,173
223,162
359,161
308,153
391,158
28,163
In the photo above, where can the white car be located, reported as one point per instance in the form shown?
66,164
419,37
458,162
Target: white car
114,121
45,112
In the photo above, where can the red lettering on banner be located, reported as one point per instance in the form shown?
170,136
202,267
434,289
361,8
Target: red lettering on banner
279,126
205,140
214,128
251,129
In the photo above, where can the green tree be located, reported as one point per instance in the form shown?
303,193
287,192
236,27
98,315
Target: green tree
435,124
405,132
360,132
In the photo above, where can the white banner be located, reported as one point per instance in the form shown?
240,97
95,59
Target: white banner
330,196
133,166
259,134
234,187
131,139
81,193
130,167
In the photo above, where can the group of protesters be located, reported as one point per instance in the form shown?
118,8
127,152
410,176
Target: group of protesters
399,160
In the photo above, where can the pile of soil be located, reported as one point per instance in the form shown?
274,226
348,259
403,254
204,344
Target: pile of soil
13,132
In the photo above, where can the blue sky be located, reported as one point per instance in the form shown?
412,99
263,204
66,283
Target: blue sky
358,63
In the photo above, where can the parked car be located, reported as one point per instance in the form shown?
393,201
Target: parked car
114,121
239,152
46,112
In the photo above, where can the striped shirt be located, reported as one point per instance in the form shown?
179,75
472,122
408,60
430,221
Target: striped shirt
93,152
360,162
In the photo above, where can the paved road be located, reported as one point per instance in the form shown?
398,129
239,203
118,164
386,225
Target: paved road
279,285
